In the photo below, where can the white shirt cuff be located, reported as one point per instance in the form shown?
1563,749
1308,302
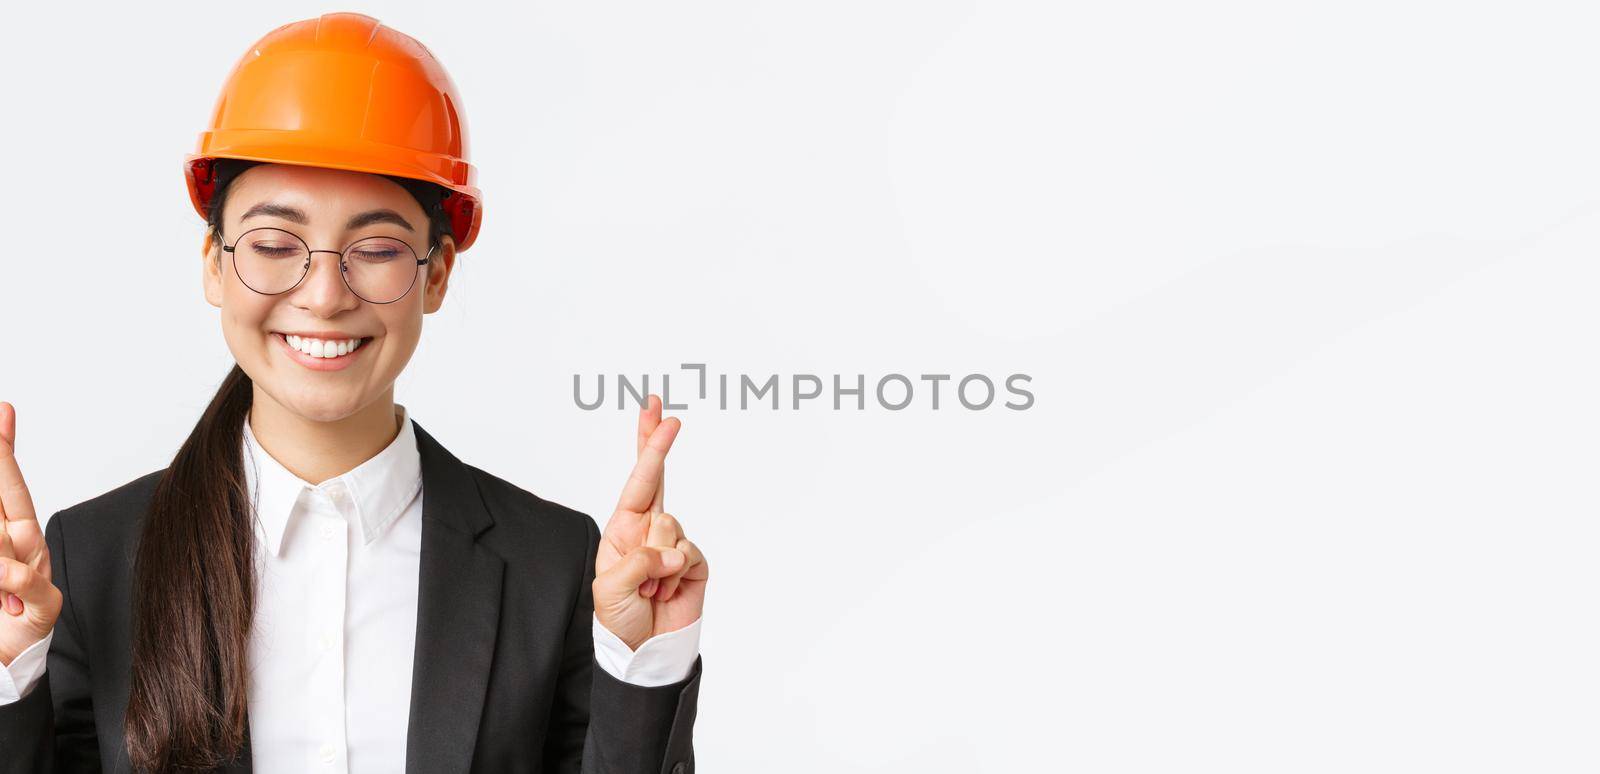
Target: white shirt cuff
661,660
18,680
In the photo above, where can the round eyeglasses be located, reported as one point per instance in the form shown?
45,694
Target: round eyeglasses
271,261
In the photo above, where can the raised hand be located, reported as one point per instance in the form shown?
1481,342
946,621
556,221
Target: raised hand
649,578
29,602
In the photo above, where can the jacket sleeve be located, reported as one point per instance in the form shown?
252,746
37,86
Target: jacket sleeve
52,728
603,725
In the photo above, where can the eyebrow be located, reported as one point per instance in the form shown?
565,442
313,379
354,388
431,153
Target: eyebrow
298,216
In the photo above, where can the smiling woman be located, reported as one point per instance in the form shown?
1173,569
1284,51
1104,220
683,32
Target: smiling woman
315,581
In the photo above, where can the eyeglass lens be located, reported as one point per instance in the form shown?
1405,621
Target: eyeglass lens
272,261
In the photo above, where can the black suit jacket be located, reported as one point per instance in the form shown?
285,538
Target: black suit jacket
504,677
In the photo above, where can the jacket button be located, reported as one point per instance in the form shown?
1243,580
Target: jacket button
680,768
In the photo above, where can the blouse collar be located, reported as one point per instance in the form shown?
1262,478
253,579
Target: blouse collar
378,490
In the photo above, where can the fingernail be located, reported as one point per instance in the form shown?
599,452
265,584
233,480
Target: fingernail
673,558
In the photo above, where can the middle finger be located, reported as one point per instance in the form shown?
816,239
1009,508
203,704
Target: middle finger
649,418
645,477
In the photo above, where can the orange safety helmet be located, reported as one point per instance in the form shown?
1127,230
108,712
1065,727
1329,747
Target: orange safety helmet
345,92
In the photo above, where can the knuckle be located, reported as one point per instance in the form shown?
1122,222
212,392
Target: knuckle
16,575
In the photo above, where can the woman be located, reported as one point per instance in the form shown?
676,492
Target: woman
315,582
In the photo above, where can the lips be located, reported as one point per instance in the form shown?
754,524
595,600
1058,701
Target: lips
322,354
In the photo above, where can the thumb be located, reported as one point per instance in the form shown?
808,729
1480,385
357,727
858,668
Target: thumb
36,591
641,564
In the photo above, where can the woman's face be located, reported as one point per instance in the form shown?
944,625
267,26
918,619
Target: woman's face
328,209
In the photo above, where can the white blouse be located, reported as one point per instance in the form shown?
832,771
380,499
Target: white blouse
330,558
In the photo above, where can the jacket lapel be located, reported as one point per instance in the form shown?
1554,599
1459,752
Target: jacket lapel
458,615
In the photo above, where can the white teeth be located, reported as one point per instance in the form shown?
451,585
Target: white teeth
323,348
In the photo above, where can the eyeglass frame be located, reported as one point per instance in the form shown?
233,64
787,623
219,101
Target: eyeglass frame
344,269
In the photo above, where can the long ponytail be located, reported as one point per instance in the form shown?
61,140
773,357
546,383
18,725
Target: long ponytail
194,598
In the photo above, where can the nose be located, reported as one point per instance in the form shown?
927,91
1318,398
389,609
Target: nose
323,291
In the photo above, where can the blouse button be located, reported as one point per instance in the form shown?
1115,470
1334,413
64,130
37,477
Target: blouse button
327,751
327,531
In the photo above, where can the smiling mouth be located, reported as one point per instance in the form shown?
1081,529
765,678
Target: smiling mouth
328,349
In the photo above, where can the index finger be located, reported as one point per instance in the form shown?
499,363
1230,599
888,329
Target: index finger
649,418
647,472
15,502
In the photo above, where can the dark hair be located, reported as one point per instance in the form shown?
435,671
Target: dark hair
429,195
194,578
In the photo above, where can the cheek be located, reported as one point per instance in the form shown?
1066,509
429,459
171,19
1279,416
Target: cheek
244,315
402,328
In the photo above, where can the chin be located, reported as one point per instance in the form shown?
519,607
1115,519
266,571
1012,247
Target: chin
322,405
322,413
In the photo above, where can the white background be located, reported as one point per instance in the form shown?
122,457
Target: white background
1306,292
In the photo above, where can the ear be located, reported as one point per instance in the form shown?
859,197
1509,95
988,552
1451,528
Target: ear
211,268
439,267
